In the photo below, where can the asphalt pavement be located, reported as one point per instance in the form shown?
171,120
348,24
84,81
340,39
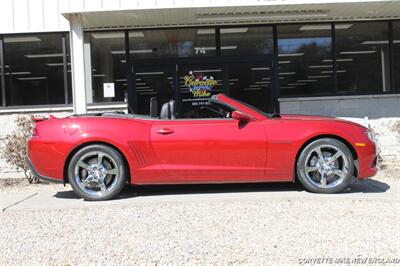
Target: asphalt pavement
59,197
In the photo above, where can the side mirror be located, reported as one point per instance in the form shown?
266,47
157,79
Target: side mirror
237,115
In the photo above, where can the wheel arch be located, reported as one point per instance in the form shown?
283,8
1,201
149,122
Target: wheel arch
339,138
85,144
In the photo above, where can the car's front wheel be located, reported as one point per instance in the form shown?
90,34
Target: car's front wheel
325,165
97,172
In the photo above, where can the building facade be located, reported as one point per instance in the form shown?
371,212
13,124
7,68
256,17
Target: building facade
336,58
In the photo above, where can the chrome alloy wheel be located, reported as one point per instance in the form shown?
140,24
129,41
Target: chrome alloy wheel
326,166
96,173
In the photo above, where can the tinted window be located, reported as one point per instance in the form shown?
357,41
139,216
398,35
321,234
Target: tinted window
210,110
251,83
34,69
108,62
155,82
396,43
69,74
1,72
172,43
246,41
197,83
305,59
362,51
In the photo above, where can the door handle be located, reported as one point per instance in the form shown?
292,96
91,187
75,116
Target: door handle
165,131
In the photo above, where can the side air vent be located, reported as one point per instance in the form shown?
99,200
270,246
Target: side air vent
140,158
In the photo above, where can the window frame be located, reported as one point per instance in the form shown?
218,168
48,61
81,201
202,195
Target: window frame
333,89
66,86
2,71
392,89
394,77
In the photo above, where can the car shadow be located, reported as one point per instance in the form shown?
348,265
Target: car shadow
67,194
366,186
356,186
160,190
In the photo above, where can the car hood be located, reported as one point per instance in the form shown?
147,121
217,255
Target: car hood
290,117
307,117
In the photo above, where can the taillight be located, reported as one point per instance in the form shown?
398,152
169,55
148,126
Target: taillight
35,132
38,118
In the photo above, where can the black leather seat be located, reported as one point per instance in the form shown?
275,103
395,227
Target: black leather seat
153,107
168,110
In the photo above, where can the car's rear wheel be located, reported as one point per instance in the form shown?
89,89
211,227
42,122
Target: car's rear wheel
97,172
325,165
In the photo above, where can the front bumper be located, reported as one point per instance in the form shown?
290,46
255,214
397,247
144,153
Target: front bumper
367,157
39,176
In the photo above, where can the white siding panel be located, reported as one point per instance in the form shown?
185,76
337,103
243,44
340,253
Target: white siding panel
79,4
129,4
76,4
6,16
21,15
92,4
202,2
111,4
183,3
64,23
36,16
165,3
63,5
51,15
146,3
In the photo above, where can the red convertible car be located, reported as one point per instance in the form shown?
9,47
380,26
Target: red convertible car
229,142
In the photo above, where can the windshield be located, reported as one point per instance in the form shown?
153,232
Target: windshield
251,107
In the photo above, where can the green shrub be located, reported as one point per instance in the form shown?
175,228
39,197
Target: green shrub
14,146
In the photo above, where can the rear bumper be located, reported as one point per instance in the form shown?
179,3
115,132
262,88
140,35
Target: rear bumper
39,176
46,159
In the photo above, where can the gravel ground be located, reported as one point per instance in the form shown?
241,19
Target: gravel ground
222,232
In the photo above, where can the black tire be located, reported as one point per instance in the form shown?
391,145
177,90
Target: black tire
309,153
113,158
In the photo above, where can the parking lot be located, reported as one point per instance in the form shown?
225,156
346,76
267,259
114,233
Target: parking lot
199,224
